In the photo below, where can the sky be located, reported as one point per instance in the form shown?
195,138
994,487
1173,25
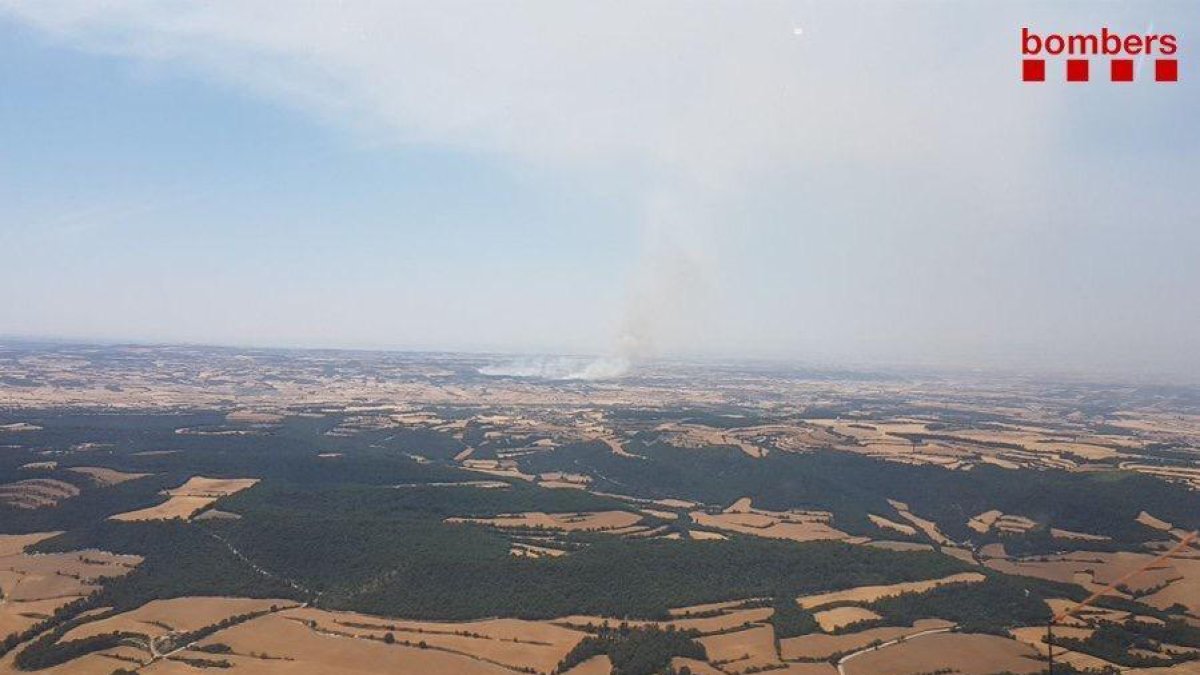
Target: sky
824,182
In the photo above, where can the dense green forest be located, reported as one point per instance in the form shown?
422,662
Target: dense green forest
287,453
847,484
1121,643
636,650
365,532
851,486
180,559
975,606
388,550
790,619
421,568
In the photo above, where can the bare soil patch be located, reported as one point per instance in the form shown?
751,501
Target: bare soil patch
867,594
833,619
743,650
566,522
161,617
292,647
512,642
791,525
187,499
253,417
818,646
36,493
887,524
962,653
13,544
105,476
32,587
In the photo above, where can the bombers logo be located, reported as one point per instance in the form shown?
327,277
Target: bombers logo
1116,47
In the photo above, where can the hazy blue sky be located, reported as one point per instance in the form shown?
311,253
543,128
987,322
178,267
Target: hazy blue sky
819,181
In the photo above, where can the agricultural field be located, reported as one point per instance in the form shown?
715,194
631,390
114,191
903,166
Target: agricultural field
964,653
191,510
35,493
36,587
188,499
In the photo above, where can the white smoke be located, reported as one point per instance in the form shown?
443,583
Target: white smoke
670,295
560,368
885,164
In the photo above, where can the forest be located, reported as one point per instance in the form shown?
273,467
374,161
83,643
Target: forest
423,568
369,533
851,486
636,650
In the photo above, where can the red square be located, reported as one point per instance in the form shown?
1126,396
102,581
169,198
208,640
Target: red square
1033,70
1077,70
1122,70
1166,70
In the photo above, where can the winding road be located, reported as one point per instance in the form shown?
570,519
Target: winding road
152,642
841,664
